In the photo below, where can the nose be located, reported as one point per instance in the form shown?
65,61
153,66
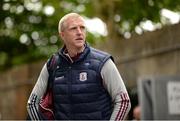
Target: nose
79,31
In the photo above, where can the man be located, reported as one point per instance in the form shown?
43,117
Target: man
87,84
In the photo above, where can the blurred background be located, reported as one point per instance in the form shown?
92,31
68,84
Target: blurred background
142,35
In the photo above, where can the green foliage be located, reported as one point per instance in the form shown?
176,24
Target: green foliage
135,11
28,34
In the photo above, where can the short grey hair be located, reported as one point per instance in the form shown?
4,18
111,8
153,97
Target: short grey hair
61,25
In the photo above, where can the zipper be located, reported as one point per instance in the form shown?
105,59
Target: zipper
70,90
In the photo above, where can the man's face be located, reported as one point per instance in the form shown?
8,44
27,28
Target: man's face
74,32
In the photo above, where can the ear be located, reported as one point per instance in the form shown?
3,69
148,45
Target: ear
61,34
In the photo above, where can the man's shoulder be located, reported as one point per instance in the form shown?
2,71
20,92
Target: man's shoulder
100,55
52,62
100,52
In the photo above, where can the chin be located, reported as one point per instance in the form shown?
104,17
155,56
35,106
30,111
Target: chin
79,45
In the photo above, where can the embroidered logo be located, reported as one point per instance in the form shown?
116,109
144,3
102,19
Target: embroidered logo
87,64
83,76
59,78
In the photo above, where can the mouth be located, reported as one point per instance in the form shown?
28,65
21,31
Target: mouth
79,38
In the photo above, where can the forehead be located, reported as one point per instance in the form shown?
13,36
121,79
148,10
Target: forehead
75,21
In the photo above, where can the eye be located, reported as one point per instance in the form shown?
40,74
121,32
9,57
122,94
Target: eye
82,28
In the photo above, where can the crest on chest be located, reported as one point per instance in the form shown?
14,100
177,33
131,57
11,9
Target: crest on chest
83,76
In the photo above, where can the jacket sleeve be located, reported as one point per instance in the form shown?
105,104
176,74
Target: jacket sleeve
36,94
115,86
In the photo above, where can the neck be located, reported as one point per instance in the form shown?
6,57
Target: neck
74,52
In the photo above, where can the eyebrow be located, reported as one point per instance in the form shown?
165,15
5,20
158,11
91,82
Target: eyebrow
75,26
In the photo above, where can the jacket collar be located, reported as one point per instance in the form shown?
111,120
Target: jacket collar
81,56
